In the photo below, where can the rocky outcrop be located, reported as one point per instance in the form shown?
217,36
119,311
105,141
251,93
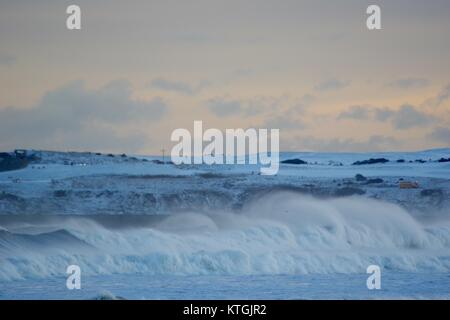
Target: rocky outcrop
370,161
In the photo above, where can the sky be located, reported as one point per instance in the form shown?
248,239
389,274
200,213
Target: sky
137,70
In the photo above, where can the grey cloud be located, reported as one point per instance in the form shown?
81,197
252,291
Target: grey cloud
224,108
408,117
177,86
284,122
356,112
332,84
288,118
272,107
439,99
253,109
441,134
372,144
443,96
383,114
408,83
63,117
103,138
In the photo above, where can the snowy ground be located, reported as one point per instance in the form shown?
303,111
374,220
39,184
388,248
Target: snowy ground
141,229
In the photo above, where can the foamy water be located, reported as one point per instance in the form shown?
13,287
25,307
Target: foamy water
280,234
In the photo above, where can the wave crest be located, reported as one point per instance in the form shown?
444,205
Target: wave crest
281,233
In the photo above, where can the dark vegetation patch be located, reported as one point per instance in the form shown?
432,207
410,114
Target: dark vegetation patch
370,161
294,161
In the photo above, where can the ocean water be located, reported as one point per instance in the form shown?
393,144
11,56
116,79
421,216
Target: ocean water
283,246
394,285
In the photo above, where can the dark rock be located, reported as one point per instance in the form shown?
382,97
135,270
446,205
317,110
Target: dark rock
360,177
60,193
376,180
308,185
348,191
444,160
401,161
8,163
294,161
420,161
370,161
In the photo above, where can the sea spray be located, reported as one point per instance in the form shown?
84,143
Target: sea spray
280,233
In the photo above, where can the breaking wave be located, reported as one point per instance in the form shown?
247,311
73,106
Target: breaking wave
282,233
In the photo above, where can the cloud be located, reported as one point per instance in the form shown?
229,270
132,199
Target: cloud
406,117
332,84
73,116
7,59
269,106
372,144
177,86
443,96
441,134
223,107
383,114
283,122
288,115
409,83
358,112
439,99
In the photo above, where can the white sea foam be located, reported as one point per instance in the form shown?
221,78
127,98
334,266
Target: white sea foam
282,233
